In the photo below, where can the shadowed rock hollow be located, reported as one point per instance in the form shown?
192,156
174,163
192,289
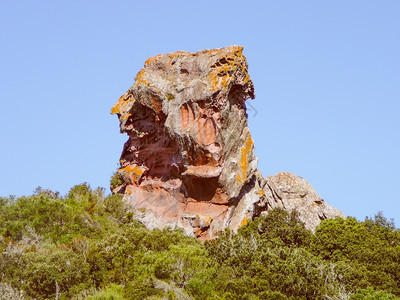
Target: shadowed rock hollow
189,161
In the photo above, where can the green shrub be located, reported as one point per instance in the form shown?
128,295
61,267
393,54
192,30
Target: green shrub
116,180
87,245
370,249
371,294
111,292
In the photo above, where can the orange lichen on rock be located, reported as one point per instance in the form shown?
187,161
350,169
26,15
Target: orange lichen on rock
206,221
133,173
244,222
244,162
121,106
117,107
285,177
152,59
225,70
128,191
140,78
126,116
200,221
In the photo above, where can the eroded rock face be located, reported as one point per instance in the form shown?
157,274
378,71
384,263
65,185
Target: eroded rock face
291,192
189,160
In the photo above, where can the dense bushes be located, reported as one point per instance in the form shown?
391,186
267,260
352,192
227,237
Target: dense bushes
88,246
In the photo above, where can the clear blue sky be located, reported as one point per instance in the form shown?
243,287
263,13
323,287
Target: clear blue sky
326,74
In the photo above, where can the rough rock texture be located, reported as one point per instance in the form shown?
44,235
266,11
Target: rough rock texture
189,160
291,192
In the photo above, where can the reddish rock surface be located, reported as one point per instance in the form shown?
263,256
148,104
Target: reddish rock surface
189,160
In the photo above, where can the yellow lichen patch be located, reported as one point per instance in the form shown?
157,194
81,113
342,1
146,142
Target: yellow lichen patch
128,190
133,172
231,62
171,56
118,107
175,55
126,116
217,81
247,76
221,76
243,163
231,49
152,59
260,192
140,78
287,177
206,221
244,222
282,176
143,79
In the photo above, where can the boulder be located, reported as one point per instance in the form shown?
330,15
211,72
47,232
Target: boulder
189,160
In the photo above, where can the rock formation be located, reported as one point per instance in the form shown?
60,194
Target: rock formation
189,160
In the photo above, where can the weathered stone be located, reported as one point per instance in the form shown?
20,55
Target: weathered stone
292,192
189,160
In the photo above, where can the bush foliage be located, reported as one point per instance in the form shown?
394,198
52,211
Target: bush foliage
87,245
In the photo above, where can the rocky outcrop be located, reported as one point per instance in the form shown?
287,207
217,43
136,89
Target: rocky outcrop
291,192
189,160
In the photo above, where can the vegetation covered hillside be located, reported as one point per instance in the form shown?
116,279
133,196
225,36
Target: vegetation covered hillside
86,245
